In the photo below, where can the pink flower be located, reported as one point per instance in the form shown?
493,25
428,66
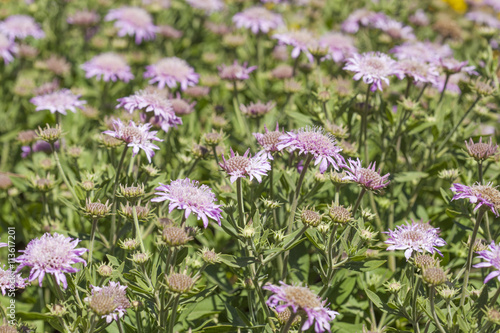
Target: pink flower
258,19
135,136
396,29
314,141
483,18
21,26
300,298
7,48
418,70
235,72
242,166
269,140
481,195
340,46
492,257
58,101
170,72
114,292
190,196
51,254
11,280
453,66
208,6
108,66
373,68
300,40
425,51
369,178
133,21
417,236
362,17
419,18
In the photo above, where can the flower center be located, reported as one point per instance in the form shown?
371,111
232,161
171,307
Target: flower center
4,42
136,16
411,236
237,163
370,176
179,282
131,134
173,67
271,138
489,193
303,297
111,62
375,66
315,141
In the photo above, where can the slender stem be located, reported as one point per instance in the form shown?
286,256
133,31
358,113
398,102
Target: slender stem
92,238
421,92
138,228
469,257
433,310
360,196
173,316
63,175
274,255
59,292
289,323
444,88
93,323
297,190
192,167
495,297
112,235
408,87
241,208
480,171
120,329
364,125
414,305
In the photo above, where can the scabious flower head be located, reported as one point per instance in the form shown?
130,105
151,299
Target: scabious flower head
208,6
135,136
238,166
58,101
176,236
396,29
235,72
314,141
434,276
181,106
21,26
108,66
492,259
369,177
373,68
11,280
418,71
481,151
453,66
483,18
258,19
362,17
417,236
109,301
190,196
419,18
300,298
300,40
257,110
170,72
269,140
84,18
486,195
133,21
7,48
51,254
425,51
340,214
340,46
179,283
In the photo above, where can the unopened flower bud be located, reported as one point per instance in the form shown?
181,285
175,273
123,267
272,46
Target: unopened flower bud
136,304
492,315
213,138
449,174
49,134
323,96
199,151
323,228
56,310
434,276
87,185
447,293
310,218
141,258
179,283
46,164
248,232
481,151
96,210
150,170
393,287
270,204
284,316
74,151
209,256
340,214
105,270
424,261
175,236
43,184
131,193
129,244
367,235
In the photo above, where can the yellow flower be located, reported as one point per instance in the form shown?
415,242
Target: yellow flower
459,6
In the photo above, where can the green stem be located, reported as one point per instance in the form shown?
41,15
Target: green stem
173,316
297,191
92,238
59,292
356,205
241,208
63,175
495,297
289,323
433,310
469,257
138,228
192,167
93,323
112,235
444,88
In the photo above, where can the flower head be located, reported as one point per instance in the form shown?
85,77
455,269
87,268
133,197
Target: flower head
492,257
21,26
417,236
108,66
483,18
396,29
11,280
58,101
300,298
481,150
300,40
190,196
135,136
362,17
7,48
369,177
170,72
208,6
340,46
238,166
109,301
51,254
486,195
235,72
269,140
453,66
373,68
314,141
258,19
418,71
425,51
257,110
133,21
84,18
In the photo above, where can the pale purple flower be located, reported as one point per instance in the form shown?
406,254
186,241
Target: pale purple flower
373,68
396,29
269,140
84,18
5,244
51,254
135,136
190,196
315,142
39,145
369,177
492,257
300,40
21,26
481,195
300,298
208,6
257,110
170,72
238,166
181,106
117,293
418,70
419,18
483,18
11,280
495,4
425,51
417,236
133,21
362,17
235,72
258,19
58,101
451,65
7,48
108,66
340,46
453,81
152,100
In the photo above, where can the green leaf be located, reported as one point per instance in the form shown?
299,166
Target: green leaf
404,177
374,298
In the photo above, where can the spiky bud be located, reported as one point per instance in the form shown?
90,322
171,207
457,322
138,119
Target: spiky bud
393,287
434,276
179,283
143,212
129,244
449,174
340,214
150,170
105,270
49,134
43,184
209,256
213,138
96,210
310,218
131,193
199,151
424,261
87,185
74,151
140,257
447,293
175,236
248,232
